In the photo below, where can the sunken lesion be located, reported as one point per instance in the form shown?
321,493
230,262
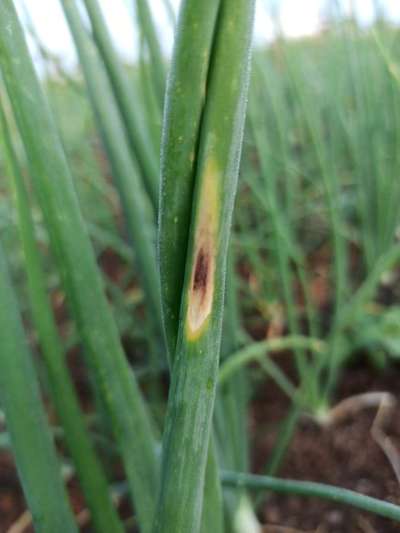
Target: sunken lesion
201,289
201,286
201,272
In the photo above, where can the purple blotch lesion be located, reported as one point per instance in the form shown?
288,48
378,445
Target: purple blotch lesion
201,288
201,271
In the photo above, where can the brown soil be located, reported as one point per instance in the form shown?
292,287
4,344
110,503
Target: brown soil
344,454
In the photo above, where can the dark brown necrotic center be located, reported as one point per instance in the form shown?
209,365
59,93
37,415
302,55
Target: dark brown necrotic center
201,271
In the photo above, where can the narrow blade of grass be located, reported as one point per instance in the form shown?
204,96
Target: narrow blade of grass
257,352
311,489
138,136
134,199
32,444
149,33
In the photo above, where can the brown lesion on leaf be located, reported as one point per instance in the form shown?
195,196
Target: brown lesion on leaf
201,286
201,290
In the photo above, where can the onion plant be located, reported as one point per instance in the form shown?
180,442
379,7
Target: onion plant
187,252
53,182
309,127
180,138
88,467
195,366
188,76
